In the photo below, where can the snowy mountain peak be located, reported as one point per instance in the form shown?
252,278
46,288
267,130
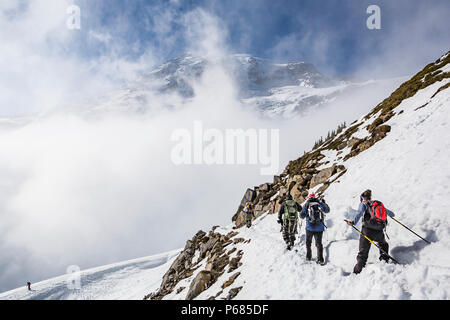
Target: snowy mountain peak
254,75
273,89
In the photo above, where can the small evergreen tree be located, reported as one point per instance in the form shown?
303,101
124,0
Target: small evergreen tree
330,135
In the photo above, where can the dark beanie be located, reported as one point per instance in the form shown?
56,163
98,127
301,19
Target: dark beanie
367,194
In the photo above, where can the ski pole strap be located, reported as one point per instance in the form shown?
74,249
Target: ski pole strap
410,230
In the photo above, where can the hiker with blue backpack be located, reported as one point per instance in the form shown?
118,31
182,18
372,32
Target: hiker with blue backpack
374,216
288,218
314,210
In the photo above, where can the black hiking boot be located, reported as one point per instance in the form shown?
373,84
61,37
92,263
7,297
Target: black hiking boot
384,258
320,259
308,253
357,269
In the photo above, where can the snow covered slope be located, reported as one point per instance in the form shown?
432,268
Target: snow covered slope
410,172
289,101
125,280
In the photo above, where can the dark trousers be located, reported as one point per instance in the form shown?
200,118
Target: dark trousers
289,229
364,245
248,220
318,241
317,238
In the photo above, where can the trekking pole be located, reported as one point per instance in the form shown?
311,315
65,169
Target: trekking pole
410,230
373,242
300,230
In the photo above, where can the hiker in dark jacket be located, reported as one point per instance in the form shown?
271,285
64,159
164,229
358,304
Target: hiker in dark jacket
289,221
373,231
314,209
249,214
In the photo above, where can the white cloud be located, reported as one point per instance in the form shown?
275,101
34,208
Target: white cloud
206,35
41,69
102,37
89,192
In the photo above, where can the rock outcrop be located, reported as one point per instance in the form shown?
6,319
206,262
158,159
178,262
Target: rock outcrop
230,281
322,176
201,282
214,248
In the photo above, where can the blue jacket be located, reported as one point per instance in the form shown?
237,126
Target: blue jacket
363,208
316,228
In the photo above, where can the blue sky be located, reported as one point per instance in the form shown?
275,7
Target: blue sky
42,61
283,30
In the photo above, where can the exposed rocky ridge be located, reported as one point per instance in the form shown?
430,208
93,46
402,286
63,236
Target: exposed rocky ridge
213,254
314,171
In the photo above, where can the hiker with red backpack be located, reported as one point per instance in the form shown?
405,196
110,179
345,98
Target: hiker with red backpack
314,210
374,223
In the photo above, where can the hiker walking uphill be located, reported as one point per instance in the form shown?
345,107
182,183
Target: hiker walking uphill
249,214
314,211
374,223
288,218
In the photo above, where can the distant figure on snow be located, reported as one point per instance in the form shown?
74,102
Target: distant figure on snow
314,211
374,223
29,285
288,218
250,214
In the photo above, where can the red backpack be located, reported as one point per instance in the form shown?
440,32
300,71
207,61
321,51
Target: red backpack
377,213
